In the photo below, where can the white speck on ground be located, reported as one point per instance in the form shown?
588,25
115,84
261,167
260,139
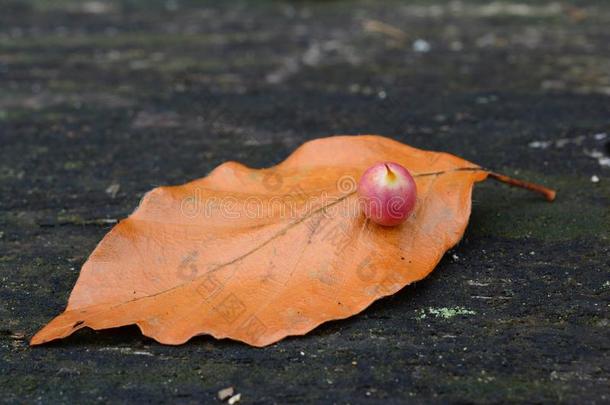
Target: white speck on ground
476,283
113,189
421,46
594,179
225,393
234,399
540,144
142,353
558,143
446,313
602,159
126,350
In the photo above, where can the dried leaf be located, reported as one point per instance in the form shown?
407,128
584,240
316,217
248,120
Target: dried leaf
258,255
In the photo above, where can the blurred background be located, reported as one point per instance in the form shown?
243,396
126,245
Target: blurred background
100,101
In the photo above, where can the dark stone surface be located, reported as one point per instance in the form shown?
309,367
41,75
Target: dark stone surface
141,93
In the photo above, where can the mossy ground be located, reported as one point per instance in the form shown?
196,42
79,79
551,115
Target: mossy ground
140,93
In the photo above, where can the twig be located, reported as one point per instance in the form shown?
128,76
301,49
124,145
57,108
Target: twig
384,28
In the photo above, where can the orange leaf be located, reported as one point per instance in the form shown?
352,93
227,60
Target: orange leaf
258,255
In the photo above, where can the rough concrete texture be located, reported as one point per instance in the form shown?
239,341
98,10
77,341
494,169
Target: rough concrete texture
141,93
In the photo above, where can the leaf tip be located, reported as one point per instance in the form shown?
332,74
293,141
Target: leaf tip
37,340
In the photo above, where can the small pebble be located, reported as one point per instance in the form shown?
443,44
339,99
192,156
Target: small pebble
594,179
539,144
225,393
113,190
234,399
421,45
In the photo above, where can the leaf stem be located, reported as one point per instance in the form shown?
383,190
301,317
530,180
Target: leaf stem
547,193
